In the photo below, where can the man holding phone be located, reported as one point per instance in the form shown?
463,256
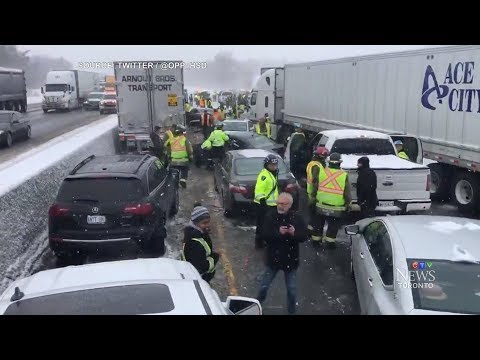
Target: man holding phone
283,230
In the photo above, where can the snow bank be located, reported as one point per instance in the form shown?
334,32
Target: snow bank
29,185
34,96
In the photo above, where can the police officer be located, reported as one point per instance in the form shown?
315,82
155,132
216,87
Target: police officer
314,168
181,153
218,139
267,118
401,153
263,128
266,194
333,199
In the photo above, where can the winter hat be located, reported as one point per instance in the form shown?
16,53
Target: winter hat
199,213
365,161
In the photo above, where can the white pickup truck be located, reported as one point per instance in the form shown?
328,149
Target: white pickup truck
402,186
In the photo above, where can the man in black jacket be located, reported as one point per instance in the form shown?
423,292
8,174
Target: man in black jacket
197,245
283,230
366,188
157,142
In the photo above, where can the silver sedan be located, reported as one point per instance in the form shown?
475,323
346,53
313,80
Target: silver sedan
416,265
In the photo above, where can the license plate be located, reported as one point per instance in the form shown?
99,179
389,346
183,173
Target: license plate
96,219
386,203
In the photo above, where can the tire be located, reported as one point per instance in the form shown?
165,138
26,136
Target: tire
175,205
9,140
156,244
23,107
440,178
465,191
29,133
45,111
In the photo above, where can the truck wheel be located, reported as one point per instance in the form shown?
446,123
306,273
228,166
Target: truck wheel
228,210
466,192
29,133
440,177
23,107
175,205
45,110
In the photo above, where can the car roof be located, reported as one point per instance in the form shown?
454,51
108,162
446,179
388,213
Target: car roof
236,120
349,133
250,153
435,237
112,164
180,277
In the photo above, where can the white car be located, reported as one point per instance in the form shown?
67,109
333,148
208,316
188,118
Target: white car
131,287
416,265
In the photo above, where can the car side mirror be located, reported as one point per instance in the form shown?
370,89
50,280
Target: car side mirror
239,305
352,229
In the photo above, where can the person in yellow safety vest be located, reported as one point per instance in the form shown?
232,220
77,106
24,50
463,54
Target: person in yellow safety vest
218,139
401,153
314,168
263,128
333,199
197,245
169,133
267,118
197,100
209,103
266,194
181,154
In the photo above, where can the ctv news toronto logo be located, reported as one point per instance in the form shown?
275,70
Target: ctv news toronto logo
419,276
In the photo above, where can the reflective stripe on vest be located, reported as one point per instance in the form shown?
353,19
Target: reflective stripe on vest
260,132
272,199
208,251
331,187
179,148
310,167
206,120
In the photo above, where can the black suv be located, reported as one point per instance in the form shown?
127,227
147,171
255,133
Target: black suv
113,200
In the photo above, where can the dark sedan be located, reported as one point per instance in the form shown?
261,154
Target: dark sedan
13,126
235,178
249,140
93,101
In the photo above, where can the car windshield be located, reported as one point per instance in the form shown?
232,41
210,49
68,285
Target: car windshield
446,286
95,95
235,126
55,87
115,300
110,97
5,118
363,146
100,189
253,166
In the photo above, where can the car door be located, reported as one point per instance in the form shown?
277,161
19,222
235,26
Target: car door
380,271
159,193
360,263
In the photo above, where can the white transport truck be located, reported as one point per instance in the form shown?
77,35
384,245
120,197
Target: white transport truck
432,95
149,94
68,89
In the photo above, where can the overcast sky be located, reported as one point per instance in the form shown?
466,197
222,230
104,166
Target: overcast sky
244,56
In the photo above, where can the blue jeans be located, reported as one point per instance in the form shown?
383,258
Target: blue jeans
290,282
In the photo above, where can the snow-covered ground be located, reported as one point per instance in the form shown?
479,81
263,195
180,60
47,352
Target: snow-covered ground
34,96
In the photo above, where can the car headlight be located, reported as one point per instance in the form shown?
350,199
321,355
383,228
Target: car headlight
85,102
1,132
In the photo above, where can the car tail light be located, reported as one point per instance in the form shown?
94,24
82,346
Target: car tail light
291,188
238,189
429,182
139,209
55,238
58,211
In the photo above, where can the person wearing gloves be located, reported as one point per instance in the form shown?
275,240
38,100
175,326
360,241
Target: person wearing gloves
197,244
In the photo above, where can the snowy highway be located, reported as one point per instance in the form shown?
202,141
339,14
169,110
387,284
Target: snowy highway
48,126
324,283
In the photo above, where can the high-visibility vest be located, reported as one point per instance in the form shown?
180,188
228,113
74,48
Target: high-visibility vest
258,129
403,155
207,144
208,251
188,107
179,148
310,167
218,138
266,181
331,186
206,120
